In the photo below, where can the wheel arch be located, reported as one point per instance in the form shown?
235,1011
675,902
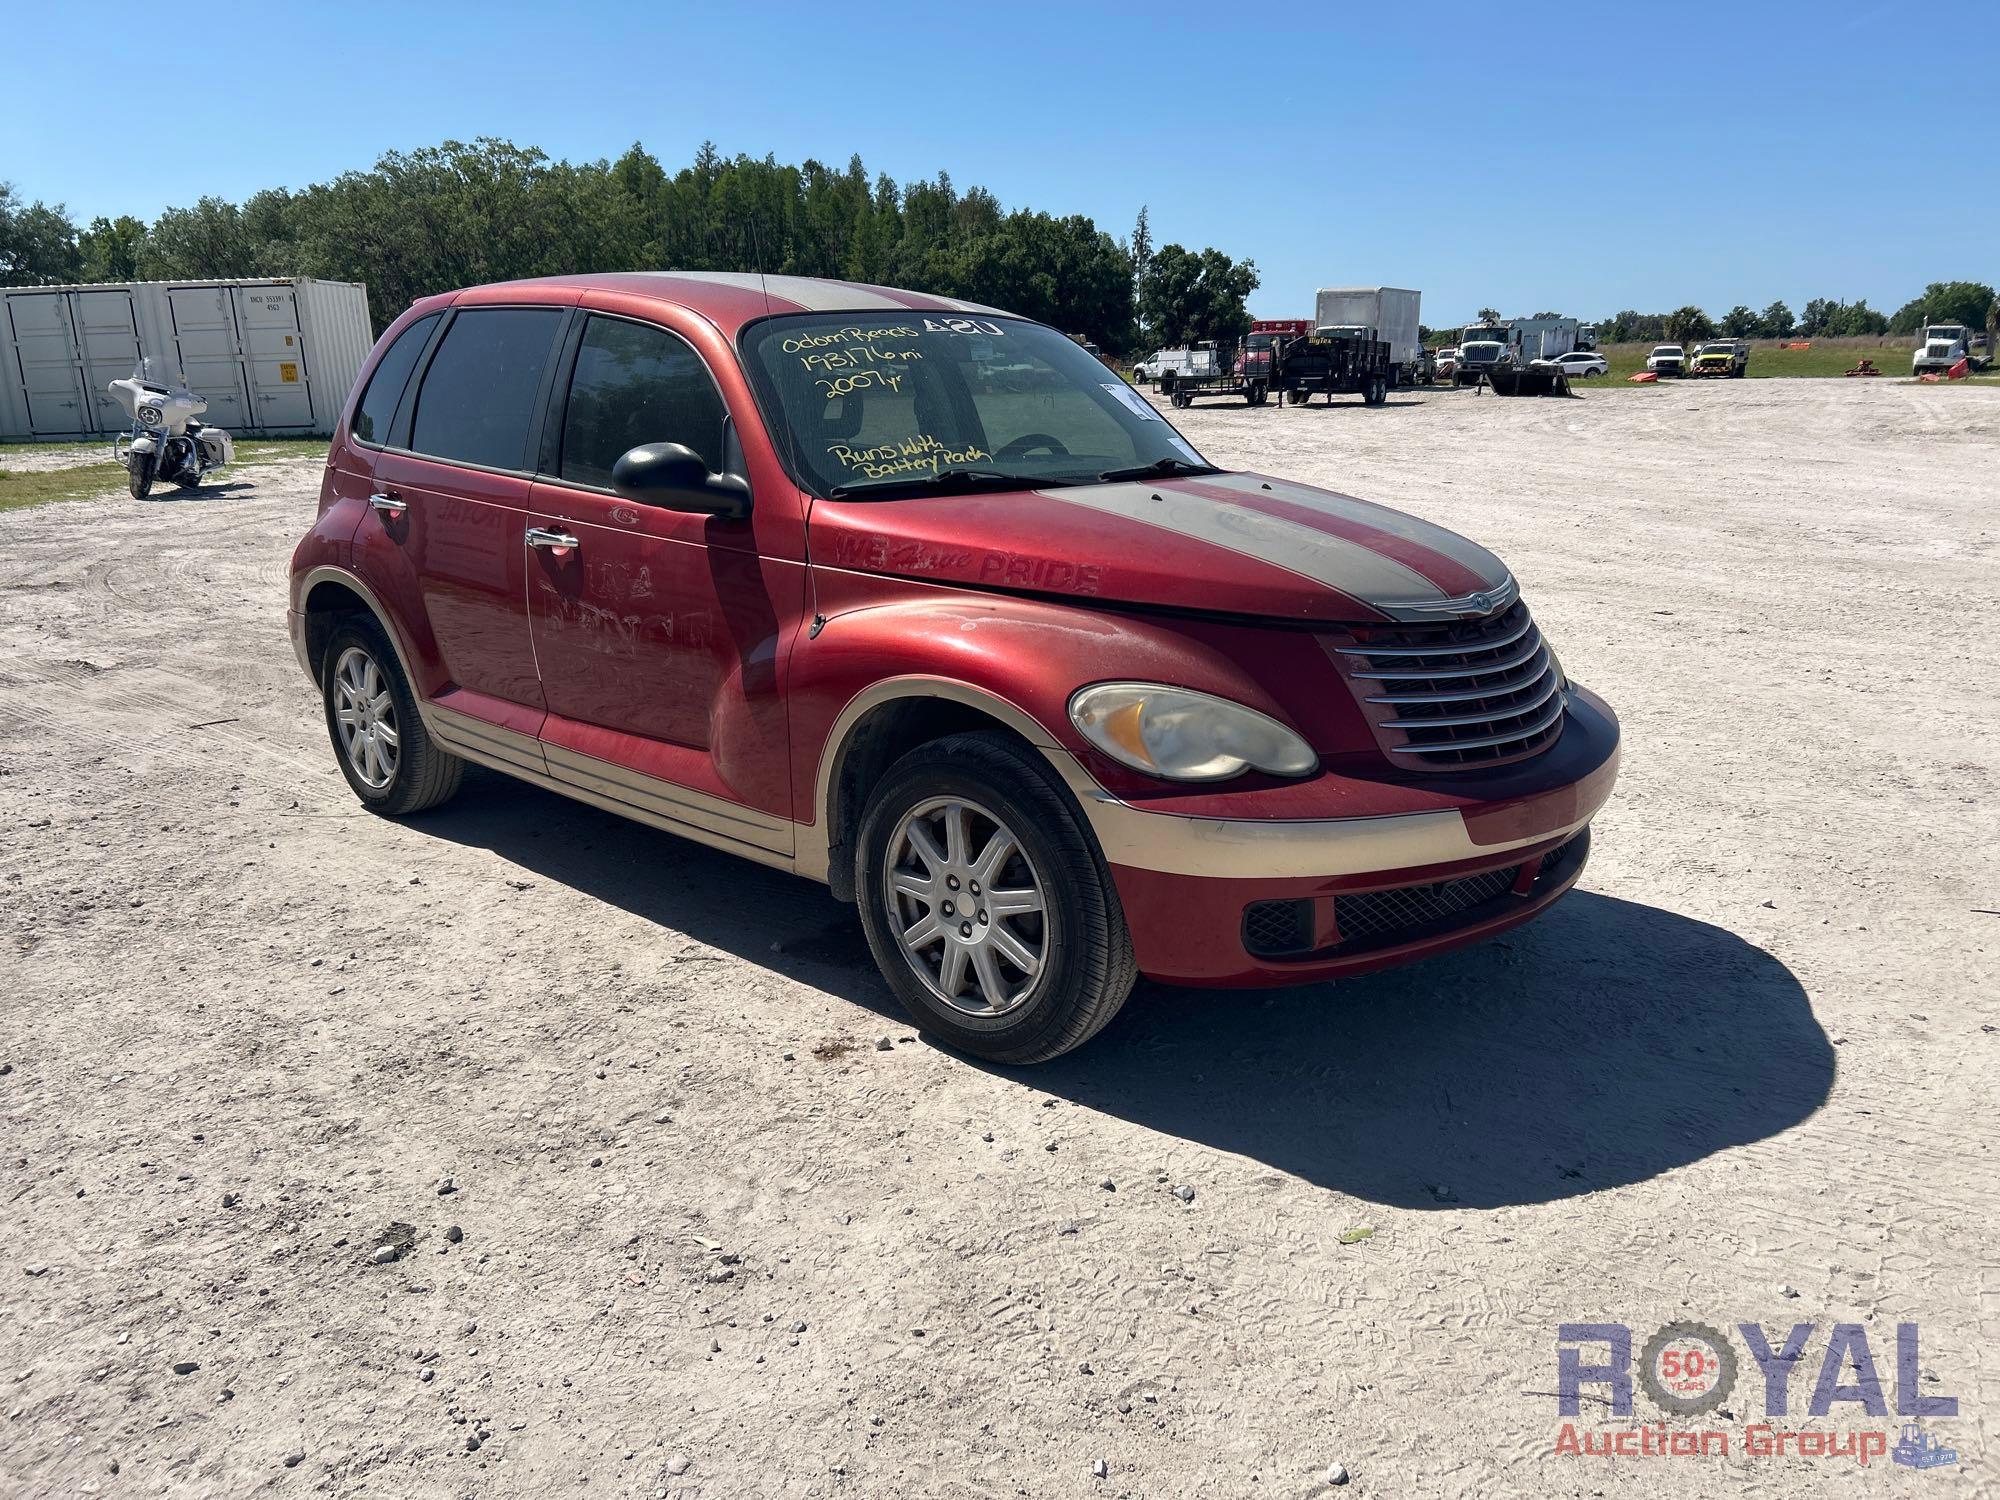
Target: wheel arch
879,725
327,595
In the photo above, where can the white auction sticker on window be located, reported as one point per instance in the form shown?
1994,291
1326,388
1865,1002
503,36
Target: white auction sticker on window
1133,399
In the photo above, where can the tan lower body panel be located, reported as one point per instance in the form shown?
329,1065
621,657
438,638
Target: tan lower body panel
658,804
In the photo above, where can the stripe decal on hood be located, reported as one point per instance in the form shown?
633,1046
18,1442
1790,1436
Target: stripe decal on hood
1339,566
1425,550
1393,565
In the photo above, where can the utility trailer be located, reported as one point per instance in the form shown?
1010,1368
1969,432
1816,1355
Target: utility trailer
1206,375
1331,363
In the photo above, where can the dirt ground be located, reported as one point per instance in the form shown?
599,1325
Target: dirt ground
704,1237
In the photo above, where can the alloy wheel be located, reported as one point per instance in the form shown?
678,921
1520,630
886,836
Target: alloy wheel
365,711
967,905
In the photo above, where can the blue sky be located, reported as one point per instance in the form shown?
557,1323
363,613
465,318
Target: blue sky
1577,157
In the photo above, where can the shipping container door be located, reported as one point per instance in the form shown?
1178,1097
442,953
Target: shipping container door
274,355
206,345
46,362
109,341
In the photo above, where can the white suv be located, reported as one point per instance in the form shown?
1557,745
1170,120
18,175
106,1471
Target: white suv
1579,362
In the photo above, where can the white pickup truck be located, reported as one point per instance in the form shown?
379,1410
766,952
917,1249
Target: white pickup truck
1944,345
1667,359
1163,361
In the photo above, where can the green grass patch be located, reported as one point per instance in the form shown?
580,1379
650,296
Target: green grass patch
1770,361
107,479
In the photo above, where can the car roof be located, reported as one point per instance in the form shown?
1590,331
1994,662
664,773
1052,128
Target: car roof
729,299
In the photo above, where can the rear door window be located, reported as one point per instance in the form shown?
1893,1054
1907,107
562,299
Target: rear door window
377,406
635,384
477,402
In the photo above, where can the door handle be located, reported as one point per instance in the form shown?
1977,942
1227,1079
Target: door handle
558,540
388,505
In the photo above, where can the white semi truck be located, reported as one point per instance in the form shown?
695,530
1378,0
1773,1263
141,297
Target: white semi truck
1944,345
1519,342
1388,313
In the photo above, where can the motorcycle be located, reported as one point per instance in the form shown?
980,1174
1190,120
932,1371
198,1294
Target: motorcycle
166,442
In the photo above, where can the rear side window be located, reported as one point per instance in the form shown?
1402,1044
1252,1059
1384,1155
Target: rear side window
477,401
377,406
635,384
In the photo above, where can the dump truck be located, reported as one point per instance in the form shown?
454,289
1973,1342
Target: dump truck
1388,313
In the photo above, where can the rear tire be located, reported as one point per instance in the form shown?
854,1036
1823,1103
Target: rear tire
379,739
1075,933
139,469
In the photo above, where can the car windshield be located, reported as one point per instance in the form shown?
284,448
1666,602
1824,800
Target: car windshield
1484,336
895,404
1666,348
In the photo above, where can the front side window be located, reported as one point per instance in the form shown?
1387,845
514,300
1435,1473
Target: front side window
876,404
635,384
477,402
377,406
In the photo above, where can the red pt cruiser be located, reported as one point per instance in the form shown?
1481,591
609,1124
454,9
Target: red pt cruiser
917,599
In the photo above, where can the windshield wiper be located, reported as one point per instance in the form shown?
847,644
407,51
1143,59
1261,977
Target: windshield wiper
1159,469
946,482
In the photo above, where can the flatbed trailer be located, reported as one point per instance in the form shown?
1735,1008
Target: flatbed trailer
1185,389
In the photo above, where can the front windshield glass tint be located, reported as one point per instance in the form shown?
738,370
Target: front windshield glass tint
890,400
1484,336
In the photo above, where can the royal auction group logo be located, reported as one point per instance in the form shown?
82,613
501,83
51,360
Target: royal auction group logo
1688,1370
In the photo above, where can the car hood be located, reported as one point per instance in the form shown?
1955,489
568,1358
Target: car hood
1240,544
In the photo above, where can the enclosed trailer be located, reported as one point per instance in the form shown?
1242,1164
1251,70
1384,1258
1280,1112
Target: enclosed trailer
1391,311
274,357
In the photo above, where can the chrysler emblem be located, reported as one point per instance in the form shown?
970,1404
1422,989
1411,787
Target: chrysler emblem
1478,604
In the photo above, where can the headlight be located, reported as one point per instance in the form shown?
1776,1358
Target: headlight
151,415
1186,736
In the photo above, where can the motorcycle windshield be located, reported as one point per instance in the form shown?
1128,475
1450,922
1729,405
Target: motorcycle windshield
154,374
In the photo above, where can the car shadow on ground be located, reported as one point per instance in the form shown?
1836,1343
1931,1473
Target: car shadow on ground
1604,1044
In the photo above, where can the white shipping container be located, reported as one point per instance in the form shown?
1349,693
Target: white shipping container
274,357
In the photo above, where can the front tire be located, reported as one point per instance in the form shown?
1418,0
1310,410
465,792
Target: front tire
139,470
986,904
386,754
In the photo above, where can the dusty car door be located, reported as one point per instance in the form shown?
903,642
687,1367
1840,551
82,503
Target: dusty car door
659,632
450,501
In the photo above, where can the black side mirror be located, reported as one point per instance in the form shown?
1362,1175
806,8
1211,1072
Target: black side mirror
673,476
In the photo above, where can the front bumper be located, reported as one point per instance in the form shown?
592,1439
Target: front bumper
295,626
1188,885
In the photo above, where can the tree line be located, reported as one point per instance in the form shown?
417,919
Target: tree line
456,214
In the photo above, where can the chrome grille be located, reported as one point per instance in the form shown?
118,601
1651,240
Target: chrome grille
1463,693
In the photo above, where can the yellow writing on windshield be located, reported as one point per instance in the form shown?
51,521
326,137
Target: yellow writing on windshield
834,337
860,380
849,359
921,454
